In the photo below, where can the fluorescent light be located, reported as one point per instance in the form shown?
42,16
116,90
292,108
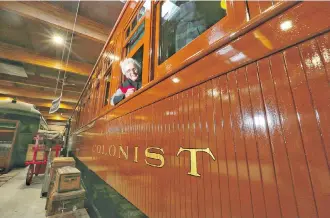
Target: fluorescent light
286,25
58,40
175,80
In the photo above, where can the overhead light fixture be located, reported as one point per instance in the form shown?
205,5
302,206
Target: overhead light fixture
175,80
58,40
5,99
286,25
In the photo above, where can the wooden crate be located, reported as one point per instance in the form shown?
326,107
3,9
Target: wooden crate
60,162
67,179
57,162
80,213
30,153
63,161
65,202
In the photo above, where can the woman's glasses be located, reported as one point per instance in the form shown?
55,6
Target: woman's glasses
131,71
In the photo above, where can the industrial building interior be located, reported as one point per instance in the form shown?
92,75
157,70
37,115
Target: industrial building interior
165,109
47,50
40,54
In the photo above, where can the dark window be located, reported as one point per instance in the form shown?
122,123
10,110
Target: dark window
128,31
183,21
135,37
138,56
107,88
141,13
134,22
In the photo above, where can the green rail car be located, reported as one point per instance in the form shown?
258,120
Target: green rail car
29,121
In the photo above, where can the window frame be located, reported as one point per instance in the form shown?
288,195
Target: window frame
108,72
236,15
144,41
132,31
108,66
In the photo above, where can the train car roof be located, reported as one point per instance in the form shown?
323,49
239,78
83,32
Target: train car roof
9,106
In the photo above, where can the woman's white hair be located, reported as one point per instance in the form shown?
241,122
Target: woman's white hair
127,61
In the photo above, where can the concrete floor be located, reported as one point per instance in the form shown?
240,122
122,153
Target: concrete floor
18,200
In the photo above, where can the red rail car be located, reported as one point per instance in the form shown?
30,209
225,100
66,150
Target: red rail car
233,124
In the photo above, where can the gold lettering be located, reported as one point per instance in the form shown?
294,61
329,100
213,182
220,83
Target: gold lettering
102,149
136,154
93,148
121,150
155,156
114,150
193,158
98,148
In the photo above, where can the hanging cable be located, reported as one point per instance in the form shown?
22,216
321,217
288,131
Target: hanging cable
69,52
59,71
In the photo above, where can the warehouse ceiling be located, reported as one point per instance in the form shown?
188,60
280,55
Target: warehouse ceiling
39,50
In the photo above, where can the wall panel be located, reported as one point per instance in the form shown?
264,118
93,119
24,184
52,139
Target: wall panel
247,131
258,7
267,125
239,146
280,157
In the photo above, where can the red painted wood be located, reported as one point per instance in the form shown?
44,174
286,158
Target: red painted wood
258,201
230,150
266,123
221,150
323,42
239,145
313,145
317,83
280,153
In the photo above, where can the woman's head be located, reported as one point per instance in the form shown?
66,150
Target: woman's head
130,68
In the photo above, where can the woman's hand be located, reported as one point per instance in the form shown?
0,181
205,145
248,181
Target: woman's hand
129,92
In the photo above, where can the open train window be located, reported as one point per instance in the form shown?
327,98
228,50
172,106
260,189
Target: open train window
138,56
185,28
183,21
136,36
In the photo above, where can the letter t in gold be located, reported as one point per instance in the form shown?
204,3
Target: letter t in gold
193,158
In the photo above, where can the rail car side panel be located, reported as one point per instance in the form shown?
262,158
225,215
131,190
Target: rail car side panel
260,122
266,124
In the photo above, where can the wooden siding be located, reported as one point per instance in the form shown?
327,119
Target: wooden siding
257,7
267,125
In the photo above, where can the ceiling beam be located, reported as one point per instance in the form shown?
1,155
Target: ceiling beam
45,112
15,91
62,115
58,123
70,83
60,110
36,84
15,53
38,102
62,106
59,17
54,117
